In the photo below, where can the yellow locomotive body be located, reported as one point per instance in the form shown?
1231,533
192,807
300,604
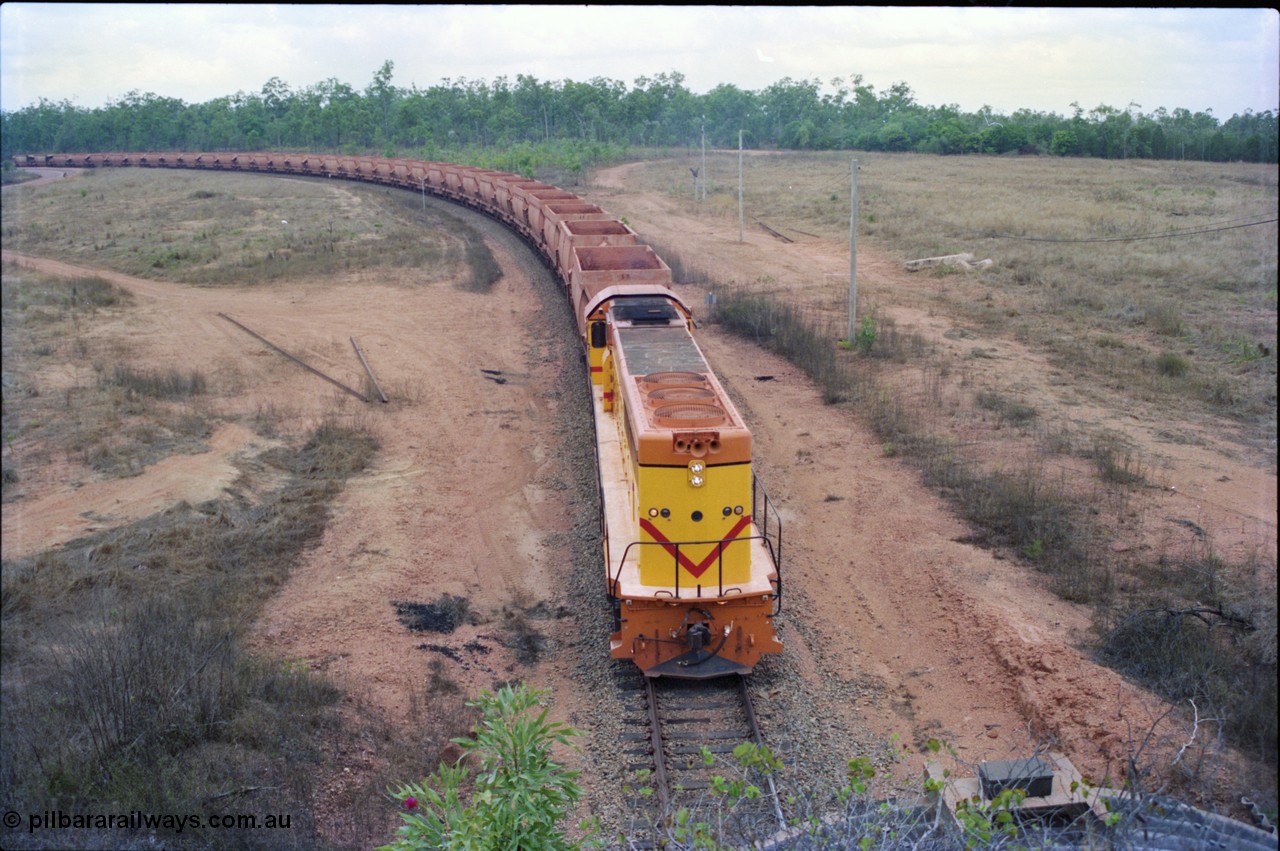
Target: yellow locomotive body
693,582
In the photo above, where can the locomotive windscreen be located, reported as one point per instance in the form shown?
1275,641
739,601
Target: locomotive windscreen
643,310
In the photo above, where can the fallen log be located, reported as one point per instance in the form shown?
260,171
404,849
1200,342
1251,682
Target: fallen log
773,232
308,367
946,260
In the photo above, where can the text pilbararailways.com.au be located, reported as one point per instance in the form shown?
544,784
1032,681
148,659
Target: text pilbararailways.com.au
137,820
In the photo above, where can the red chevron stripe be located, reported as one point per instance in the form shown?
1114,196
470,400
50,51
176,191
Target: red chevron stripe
699,568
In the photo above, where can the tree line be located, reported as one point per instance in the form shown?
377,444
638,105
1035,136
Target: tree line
598,119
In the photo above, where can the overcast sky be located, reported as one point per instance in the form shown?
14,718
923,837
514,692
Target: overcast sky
1227,60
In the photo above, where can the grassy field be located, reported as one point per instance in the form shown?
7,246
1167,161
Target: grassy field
215,230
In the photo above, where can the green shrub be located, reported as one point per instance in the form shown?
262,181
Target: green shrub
518,796
865,337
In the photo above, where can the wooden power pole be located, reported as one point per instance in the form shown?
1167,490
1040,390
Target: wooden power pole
853,253
739,186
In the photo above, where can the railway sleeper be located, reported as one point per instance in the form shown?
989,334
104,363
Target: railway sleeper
693,785
704,708
696,749
736,735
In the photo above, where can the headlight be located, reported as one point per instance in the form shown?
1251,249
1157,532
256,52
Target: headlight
697,473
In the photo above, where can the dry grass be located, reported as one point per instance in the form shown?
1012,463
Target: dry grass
127,685
114,419
1209,299
228,229
1055,525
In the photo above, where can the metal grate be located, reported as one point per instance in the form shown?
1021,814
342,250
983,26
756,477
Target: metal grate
682,394
689,415
694,378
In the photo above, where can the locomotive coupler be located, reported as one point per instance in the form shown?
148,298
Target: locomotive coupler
699,636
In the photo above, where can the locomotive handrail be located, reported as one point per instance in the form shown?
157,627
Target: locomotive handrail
764,510
724,544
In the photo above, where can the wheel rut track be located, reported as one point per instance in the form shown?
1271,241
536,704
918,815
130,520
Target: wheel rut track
679,736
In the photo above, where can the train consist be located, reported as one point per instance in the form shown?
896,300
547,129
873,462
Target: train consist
692,547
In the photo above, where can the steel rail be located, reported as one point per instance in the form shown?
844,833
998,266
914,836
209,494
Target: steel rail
662,781
368,371
308,367
754,723
655,742
773,232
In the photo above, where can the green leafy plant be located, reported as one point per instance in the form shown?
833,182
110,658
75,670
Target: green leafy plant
983,822
865,337
518,795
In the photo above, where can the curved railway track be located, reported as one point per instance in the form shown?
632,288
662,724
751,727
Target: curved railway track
679,745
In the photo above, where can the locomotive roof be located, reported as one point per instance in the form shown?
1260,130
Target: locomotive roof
621,291
656,349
